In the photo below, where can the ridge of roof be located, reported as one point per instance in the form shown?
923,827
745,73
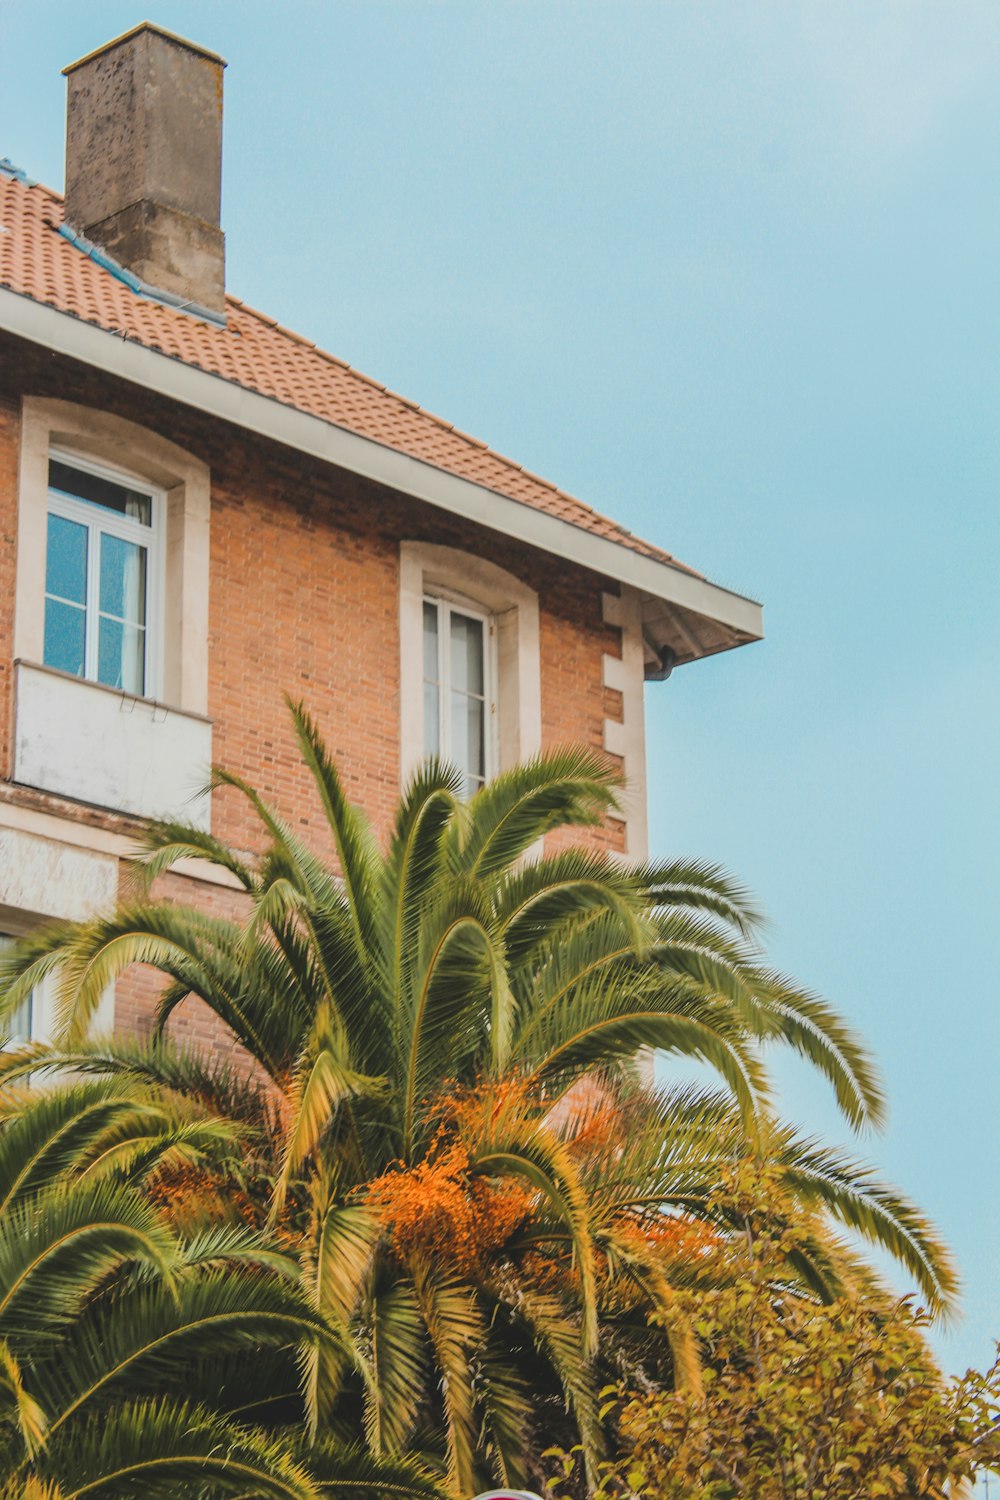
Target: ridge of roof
91,291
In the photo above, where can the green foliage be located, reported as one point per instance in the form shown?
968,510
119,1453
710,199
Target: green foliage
128,1351
799,1400
437,1114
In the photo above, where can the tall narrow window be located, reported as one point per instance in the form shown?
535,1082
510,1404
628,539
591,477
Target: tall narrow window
19,1028
98,575
458,675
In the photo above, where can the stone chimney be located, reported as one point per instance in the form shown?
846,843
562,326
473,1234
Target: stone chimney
144,160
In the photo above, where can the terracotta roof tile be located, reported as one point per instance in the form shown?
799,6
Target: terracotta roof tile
254,351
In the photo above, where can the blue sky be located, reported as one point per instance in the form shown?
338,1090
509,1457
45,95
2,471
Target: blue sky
728,272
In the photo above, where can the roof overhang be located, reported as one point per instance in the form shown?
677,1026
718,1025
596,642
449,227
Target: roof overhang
682,611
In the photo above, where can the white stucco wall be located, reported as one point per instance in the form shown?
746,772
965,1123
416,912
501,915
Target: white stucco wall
104,747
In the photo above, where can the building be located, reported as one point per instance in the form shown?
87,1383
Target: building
202,511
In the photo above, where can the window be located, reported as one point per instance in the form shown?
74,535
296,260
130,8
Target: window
99,576
111,592
469,663
19,1028
458,689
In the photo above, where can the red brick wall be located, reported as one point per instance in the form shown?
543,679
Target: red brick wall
304,562
304,601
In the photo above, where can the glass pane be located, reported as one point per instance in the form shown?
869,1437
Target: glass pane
83,486
466,654
121,655
66,560
123,579
432,719
430,642
65,630
468,738
18,1027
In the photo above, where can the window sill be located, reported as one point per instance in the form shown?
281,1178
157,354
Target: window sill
109,748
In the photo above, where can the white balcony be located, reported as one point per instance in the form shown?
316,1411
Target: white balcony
102,746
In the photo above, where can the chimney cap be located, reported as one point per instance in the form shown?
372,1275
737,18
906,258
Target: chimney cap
171,36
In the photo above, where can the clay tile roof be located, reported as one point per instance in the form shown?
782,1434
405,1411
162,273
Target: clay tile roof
254,351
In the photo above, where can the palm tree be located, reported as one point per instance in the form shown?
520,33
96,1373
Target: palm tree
130,1356
101,1304
443,1108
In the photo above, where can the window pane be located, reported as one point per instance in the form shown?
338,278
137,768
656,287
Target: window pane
66,560
430,642
432,719
121,652
83,486
123,579
18,1027
65,629
468,740
466,654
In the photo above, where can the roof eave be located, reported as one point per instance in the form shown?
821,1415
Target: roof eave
732,619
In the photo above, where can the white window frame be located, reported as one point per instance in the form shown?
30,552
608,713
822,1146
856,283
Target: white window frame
472,582
447,604
99,521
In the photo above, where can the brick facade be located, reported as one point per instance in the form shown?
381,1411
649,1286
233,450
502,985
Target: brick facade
303,601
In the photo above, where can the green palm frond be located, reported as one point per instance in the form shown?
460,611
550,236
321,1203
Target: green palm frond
235,1245
853,1193
811,1027
159,1449
57,1133
517,808
350,1472
144,1339
555,1335
57,1247
507,1403
97,1127
165,843
413,867
534,1153
356,853
695,885
450,995
338,1260
535,902
398,1364
29,1420
455,1328
323,1084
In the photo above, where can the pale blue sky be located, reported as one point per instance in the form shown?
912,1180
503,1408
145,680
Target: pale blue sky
729,272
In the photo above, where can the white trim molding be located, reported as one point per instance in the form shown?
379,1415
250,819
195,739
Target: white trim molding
425,568
626,738
74,834
42,877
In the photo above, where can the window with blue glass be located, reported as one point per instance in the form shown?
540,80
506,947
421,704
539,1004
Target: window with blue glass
98,576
